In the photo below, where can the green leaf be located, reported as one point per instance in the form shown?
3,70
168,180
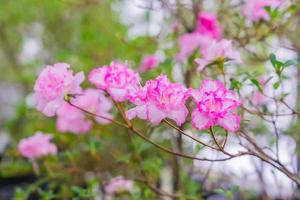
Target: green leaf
268,9
220,191
289,63
276,85
235,84
285,95
256,83
273,59
292,8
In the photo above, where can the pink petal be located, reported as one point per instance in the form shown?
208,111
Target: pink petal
230,122
50,109
96,77
61,66
201,63
196,94
79,78
155,115
117,94
209,86
179,115
201,121
138,111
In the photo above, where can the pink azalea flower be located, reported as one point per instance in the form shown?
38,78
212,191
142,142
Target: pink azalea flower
118,185
97,103
218,51
254,10
71,119
117,79
160,99
37,146
208,24
148,63
190,42
53,84
215,106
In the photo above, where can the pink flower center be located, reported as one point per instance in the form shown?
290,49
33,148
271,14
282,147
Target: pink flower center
207,24
116,79
212,105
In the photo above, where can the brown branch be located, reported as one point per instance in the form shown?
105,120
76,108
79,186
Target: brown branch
189,136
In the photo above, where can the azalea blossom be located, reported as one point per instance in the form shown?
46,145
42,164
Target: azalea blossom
117,79
149,62
119,185
71,119
207,24
215,106
254,10
160,99
190,42
53,84
218,51
207,30
37,146
94,101
74,120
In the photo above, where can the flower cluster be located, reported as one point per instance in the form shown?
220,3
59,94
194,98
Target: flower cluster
71,119
190,42
255,10
119,185
157,100
53,87
207,38
160,99
37,146
215,106
117,79
53,84
218,51
207,30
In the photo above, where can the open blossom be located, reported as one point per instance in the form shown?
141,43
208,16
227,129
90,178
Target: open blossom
119,185
190,42
71,119
160,99
207,30
94,101
37,146
254,10
215,106
53,83
207,24
148,63
117,79
218,51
